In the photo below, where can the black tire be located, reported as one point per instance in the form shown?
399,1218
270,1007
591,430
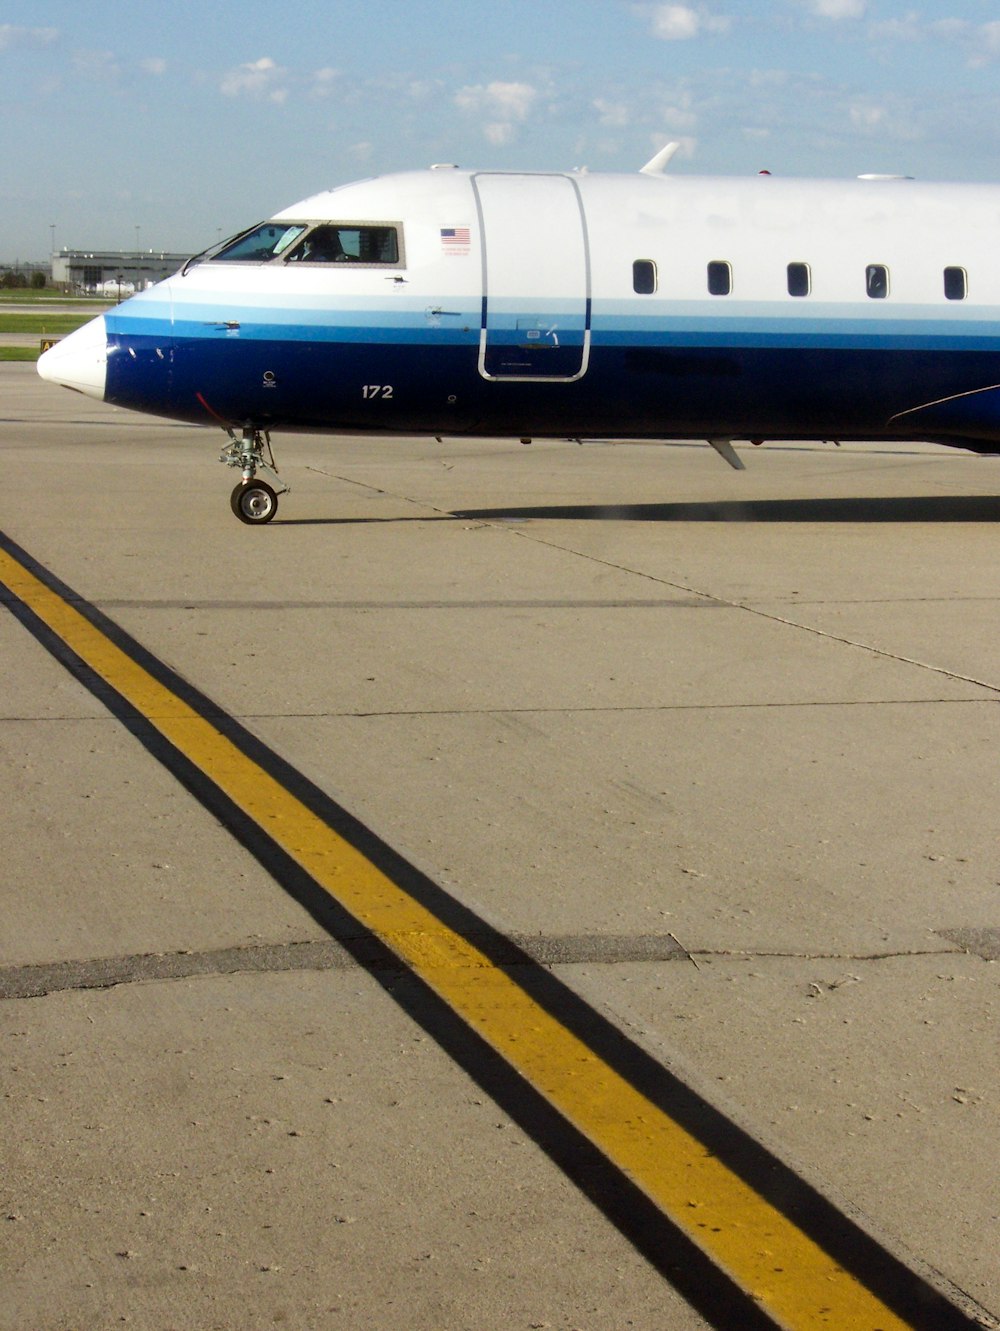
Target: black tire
254,502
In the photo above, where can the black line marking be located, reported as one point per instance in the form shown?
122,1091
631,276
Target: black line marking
708,1289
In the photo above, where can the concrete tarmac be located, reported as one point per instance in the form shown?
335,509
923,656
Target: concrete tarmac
720,747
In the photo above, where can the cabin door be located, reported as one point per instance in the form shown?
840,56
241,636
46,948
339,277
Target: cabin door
536,278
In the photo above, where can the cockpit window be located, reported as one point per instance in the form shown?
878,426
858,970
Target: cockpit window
348,242
361,243
261,244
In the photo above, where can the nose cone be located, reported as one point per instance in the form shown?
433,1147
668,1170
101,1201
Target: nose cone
80,360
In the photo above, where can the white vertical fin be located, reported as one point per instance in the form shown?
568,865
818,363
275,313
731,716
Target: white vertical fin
658,164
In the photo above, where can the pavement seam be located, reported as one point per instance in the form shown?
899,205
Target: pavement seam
37,980
760,614
623,710
709,597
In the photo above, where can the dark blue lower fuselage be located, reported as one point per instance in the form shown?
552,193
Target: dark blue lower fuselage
643,388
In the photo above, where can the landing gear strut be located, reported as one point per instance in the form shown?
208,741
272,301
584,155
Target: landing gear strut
253,501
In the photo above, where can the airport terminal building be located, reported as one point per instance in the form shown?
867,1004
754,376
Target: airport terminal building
100,271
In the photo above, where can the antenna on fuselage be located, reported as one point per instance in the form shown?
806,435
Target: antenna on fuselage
658,164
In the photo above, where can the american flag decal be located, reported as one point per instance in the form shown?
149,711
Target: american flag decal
455,239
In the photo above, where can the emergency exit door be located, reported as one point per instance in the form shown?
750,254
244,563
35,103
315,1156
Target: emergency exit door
536,278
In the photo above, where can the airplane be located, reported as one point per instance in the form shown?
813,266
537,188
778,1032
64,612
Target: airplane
572,305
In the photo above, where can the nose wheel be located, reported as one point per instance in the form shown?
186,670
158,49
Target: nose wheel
254,501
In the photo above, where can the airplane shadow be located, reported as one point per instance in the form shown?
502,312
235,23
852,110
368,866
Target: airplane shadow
279,521
902,508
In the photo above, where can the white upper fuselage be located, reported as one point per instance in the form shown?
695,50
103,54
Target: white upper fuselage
758,225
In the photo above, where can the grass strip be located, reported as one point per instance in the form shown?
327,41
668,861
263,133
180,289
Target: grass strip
18,353
41,323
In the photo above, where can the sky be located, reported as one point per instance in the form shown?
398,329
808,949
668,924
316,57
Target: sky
164,126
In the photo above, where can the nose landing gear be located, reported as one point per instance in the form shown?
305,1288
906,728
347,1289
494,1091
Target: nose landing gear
253,501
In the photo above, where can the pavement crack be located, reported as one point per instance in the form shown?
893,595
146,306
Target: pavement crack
627,708
764,954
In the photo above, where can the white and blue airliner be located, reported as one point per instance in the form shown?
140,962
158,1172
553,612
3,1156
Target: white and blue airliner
573,305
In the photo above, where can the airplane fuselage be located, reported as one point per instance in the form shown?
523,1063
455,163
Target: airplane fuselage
576,305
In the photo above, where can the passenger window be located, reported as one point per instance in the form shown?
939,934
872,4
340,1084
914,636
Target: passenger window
956,283
877,281
720,278
346,243
799,279
644,277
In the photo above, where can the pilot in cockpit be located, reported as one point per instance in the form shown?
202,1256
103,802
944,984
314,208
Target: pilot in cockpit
321,246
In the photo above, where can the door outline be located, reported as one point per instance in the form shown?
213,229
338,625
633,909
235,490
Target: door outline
530,317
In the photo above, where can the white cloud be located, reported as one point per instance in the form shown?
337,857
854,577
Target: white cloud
679,23
866,116
12,36
155,65
675,23
888,119
99,66
422,89
769,78
614,114
912,28
837,9
980,42
498,132
988,41
952,28
258,78
511,101
502,105
324,82
905,29
686,144
682,113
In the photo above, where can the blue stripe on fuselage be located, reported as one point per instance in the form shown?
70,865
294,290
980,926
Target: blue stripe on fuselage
680,325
